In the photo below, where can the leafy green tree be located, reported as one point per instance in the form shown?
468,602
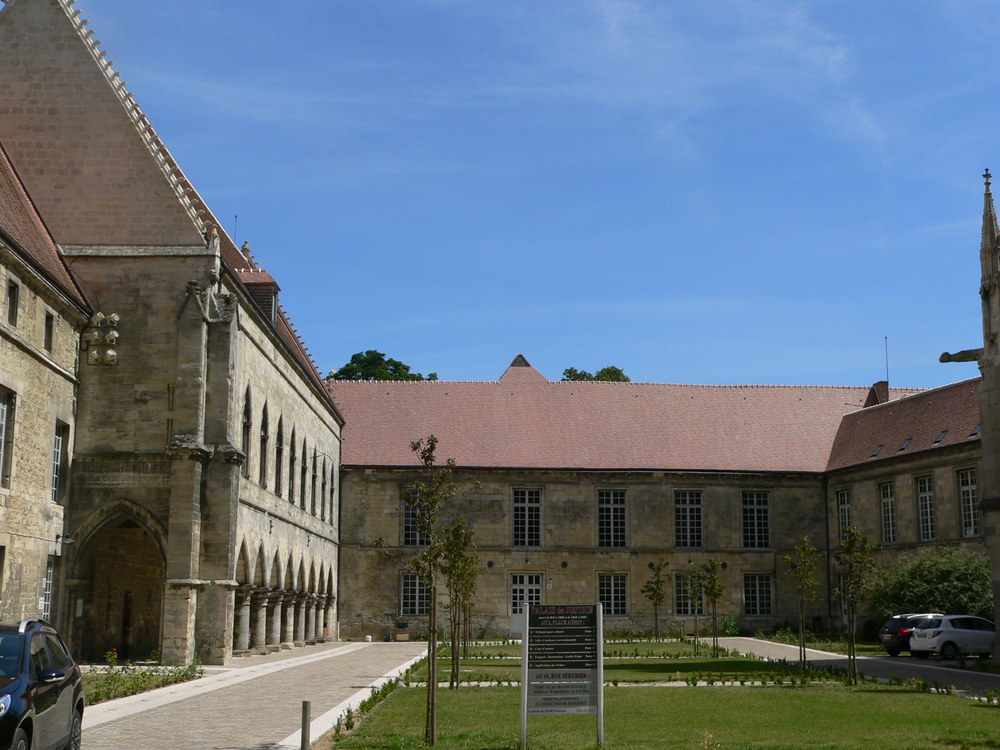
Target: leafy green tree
609,373
458,565
713,589
856,558
373,365
938,579
802,564
695,583
426,498
655,589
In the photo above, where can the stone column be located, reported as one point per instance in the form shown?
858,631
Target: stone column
259,612
331,631
300,619
274,621
242,639
288,621
311,619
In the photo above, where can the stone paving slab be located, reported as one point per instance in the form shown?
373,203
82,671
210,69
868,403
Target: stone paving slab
254,704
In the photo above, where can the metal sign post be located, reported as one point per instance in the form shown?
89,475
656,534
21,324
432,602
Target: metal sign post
562,663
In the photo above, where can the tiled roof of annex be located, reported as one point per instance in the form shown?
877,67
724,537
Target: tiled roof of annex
925,421
526,421
21,224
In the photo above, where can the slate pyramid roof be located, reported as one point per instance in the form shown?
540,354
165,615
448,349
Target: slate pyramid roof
22,227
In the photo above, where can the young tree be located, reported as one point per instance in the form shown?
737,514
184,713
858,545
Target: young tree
458,566
802,564
655,590
856,558
713,590
694,581
426,498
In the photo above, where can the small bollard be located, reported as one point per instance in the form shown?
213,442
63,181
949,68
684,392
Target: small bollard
306,721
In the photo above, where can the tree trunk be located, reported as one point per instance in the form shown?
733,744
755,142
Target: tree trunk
430,729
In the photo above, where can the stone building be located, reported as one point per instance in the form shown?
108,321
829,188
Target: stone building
204,494
42,315
575,490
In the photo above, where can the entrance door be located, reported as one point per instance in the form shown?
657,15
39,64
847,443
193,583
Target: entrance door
524,587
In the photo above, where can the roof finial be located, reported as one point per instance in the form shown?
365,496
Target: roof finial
986,176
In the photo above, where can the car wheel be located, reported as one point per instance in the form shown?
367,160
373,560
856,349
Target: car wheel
920,654
20,740
75,732
892,651
949,651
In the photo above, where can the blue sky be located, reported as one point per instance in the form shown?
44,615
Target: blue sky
731,191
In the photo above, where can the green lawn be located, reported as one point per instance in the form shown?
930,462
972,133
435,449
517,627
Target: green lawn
826,715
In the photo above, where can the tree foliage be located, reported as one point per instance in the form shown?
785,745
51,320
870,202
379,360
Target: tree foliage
938,579
373,365
802,564
713,590
655,590
609,373
856,558
458,565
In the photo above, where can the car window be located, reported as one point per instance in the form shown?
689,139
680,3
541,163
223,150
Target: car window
10,654
930,622
40,657
60,656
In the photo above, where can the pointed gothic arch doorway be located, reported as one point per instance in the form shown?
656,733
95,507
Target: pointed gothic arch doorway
123,570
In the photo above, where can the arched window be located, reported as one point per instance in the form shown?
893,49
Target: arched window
305,473
279,456
264,427
247,431
291,469
313,488
322,495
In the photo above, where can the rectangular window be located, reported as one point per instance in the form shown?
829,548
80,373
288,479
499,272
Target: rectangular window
527,518
610,518
50,574
757,594
613,594
687,518
415,598
60,445
756,524
686,601
13,295
525,587
843,511
411,526
887,494
6,435
49,334
968,496
925,508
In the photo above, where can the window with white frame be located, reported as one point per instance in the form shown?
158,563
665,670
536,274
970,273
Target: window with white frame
843,511
686,601
925,508
60,444
527,518
968,498
7,404
613,593
687,518
756,522
757,594
414,597
412,537
611,518
50,574
887,496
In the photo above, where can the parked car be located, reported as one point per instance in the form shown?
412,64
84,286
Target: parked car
895,634
951,635
41,689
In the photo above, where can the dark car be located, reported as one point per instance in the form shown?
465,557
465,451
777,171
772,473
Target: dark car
895,634
41,689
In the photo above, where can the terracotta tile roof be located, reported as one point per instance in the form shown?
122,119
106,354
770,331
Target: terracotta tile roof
908,425
21,224
525,421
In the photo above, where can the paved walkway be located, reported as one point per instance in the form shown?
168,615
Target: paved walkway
253,704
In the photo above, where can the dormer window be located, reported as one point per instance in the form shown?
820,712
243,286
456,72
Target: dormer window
939,438
878,449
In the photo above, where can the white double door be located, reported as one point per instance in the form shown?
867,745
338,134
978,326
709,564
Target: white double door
524,588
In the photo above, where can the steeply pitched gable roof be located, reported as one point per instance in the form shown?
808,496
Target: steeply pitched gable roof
528,422
908,426
21,226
